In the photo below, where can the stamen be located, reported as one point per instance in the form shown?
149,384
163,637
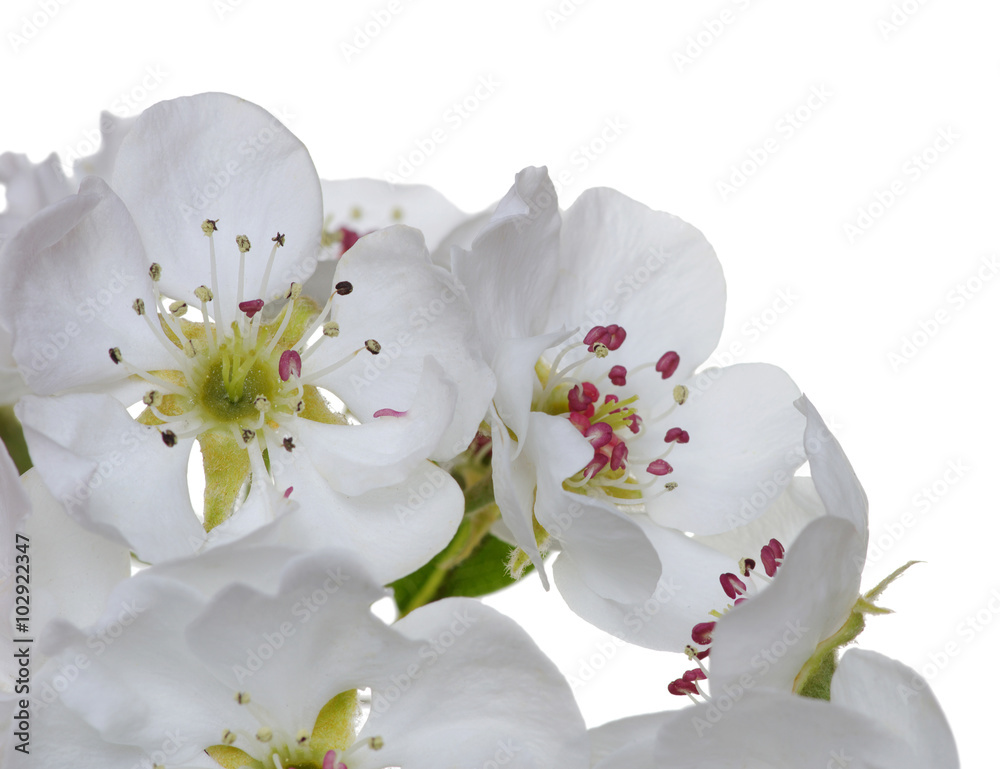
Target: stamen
209,226
676,434
344,287
169,438
264,735
155,272
278,240
680,394
243,244
617,375
251,307
178,309
205,295
732,584
242,698
228,737
289,365
659,467
288,443
373,347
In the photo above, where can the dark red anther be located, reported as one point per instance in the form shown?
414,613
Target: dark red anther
676,434
616,335
771,555
595,335
251,307
695,674
776,546
732,584
599,434
682,687
598,463
659,467
344,287
749,564
290,364
618,456
702,633
668,363
617,375
634,422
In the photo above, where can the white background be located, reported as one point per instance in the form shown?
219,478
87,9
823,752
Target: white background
699,88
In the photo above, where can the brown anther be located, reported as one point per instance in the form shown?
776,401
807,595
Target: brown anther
248,434
204,294
242,698
169,437
331,328
264,734
302,737
288,443
681,394
139,306
279,239
670,486
155,272
228,738
243,243
178,308
601,350
116,355
344,287
373,347
209,226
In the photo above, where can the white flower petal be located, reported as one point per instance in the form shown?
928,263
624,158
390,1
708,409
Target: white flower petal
745,445
646,270
413,309
70,277
836,483
478,691
769,637
357,458
102,163
215,156
626,742
511,270
395,529
113,475
896,697
29,187
685,595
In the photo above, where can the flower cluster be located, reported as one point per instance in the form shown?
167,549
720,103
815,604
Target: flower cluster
257,403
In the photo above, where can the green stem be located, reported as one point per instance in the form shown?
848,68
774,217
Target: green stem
480,513
13,437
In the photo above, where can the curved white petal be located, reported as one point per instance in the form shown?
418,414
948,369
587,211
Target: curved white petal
899,699
648,271
396,529
113,475
745,445
357,458
772,635
510,272
795,509
836,483
215,156
478,691
366,205
70,278
514,485
414,310
685,595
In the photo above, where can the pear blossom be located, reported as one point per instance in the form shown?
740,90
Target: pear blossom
880,714
254,655
603,429
125,295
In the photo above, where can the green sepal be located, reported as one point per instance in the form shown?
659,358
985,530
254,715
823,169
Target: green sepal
866,607
12,436
876,591
817,685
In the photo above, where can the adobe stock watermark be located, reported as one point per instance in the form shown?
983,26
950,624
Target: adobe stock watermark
223,8
784,129
708,32
430,483
898,17
925,330
754,327
369,30
302,611
558,15
218,178
130,101
912,171
452,119
34,22
587,153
